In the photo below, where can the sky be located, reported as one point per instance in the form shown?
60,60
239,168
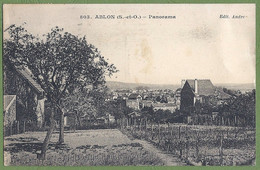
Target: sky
197,44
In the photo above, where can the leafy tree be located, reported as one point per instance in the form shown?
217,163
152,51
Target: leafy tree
60,62
148,112
79,104
233,93
243,107
98,96
158,99
164,99
118,109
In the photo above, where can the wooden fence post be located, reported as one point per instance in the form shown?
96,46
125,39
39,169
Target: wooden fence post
221,148
11,128
197,146
24,126
171,130
140,128
159,133
168,130
227,133
180,143
146,123
179,132
120,123
187,147
18,130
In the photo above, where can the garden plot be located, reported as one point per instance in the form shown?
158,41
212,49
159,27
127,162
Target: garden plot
200,145
82,148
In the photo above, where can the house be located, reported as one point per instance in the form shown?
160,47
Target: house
134,114
171,99
165,106
110,119
134,100
30,99
178,97
9,109
146,103
199,90
70,120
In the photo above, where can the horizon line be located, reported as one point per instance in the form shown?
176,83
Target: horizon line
174,83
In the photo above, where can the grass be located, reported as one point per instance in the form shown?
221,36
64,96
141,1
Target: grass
90,157
82,148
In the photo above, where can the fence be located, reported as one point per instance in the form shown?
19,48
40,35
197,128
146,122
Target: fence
17,127
207,145
218,120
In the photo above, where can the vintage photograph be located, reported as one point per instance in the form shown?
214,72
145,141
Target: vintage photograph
129,84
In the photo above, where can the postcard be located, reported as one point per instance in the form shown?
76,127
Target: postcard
129,84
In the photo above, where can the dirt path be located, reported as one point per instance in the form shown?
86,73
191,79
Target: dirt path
168,159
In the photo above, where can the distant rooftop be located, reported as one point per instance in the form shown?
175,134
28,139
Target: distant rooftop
134,96
205,86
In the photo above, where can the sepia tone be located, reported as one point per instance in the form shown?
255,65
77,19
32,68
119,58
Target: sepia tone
129,85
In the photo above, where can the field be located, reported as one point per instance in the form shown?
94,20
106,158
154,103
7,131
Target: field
200,145
82,148
150,144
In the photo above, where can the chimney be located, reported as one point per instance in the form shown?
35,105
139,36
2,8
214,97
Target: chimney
182,83
196,86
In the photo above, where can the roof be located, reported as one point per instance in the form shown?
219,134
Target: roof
221,94
147,101
135,114
164,105
205,87
134,96
8,100
29,78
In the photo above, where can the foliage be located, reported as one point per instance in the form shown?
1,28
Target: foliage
162,116
242,107
60,62
232,92
239,107
118,108
80,105
200,144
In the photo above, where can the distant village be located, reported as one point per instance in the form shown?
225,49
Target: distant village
168,99
25,104
198,96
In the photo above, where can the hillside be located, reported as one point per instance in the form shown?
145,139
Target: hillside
121,85
241,87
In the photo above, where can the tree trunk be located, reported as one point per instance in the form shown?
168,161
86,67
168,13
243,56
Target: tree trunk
79,121
48,137
61,136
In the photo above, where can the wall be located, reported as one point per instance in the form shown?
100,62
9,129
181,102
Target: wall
10,112
187,97
133,104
